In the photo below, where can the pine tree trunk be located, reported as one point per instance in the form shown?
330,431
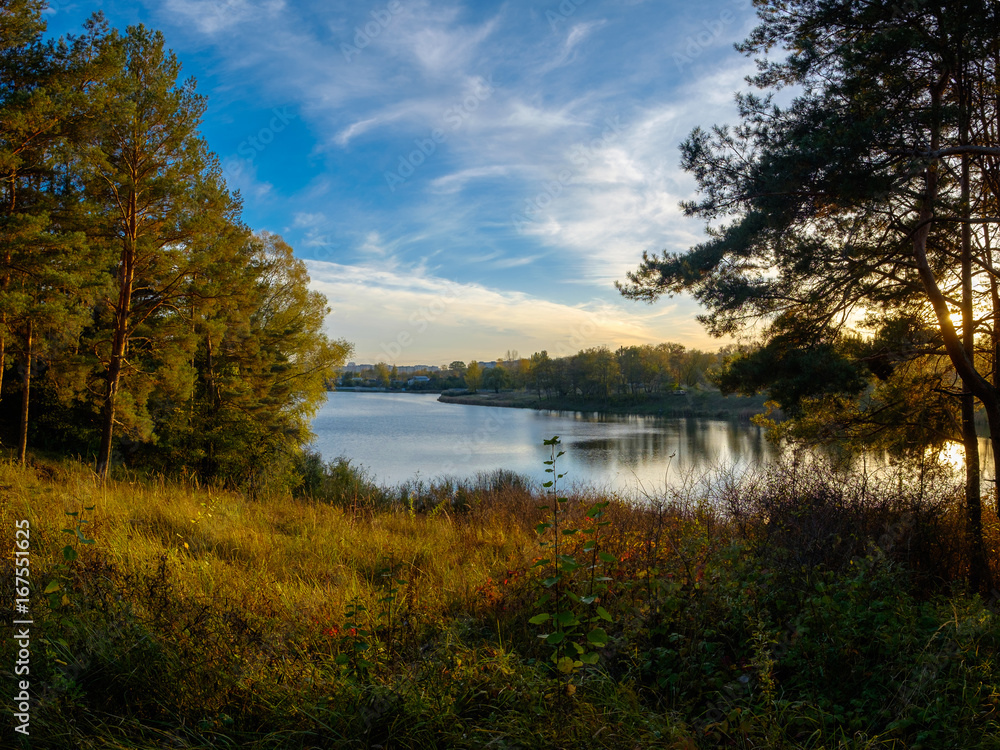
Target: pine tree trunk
960,350
117,360
979,571
22,443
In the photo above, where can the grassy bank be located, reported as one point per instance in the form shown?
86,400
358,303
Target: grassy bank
797,610
694,403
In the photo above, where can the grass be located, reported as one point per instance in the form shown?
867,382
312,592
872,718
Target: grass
800,611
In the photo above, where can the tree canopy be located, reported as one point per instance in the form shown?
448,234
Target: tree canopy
867,205
158,327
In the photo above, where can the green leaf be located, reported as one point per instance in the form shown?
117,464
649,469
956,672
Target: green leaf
567,619
605,557
598,636
550,582
342,659
53,586
588,599
69,554
603,614
539,619
590,658
554,639
565,665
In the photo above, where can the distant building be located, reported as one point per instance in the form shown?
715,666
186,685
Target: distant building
400,369
417,379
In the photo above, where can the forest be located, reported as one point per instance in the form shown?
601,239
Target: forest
597,372
141,322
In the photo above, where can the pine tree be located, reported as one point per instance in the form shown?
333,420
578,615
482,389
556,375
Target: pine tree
48,274
154,179
869,194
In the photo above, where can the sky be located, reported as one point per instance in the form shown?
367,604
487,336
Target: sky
462,179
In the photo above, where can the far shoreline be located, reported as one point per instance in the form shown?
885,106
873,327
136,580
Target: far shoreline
696,404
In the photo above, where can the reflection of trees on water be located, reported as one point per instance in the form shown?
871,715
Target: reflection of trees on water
697,445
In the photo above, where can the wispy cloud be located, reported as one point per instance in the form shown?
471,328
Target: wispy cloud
213,17
405,311
546,191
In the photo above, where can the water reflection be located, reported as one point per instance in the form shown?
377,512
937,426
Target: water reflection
398,436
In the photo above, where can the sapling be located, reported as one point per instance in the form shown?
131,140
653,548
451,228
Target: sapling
570,649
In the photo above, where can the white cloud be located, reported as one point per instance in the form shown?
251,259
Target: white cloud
554,94
241,174
308,221
455,181
440,46
357,128
622,193
404,315
213,17
373,245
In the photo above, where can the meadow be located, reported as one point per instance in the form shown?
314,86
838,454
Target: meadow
796,609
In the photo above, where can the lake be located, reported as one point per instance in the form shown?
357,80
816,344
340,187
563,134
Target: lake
399,437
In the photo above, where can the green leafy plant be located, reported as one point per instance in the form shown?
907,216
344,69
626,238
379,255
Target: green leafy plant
365,640
387,615
356,641
571,647
57,590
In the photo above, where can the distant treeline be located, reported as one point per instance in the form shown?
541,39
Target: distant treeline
598,372
140,319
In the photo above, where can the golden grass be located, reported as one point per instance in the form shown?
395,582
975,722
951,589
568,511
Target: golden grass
312,558
198,613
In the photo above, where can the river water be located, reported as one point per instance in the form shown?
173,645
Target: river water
400,437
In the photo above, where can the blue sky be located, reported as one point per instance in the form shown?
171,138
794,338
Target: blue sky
462,178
